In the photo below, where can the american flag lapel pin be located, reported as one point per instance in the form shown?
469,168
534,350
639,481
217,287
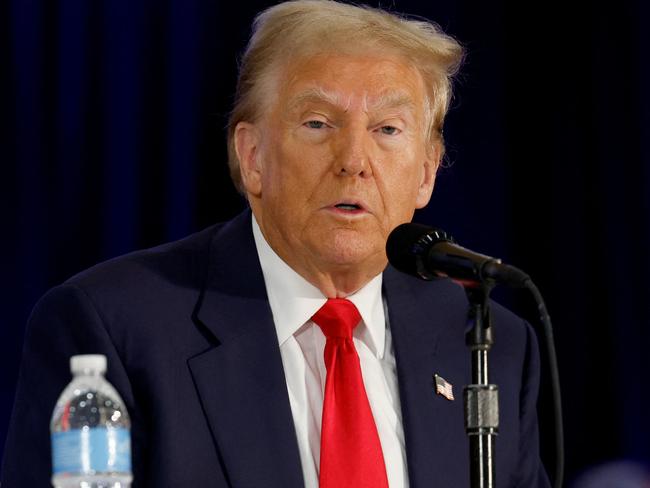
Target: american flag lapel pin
443,387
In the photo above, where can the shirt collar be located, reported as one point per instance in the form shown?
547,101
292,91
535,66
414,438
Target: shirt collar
293,300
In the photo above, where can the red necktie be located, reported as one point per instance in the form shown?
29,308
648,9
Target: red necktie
350,453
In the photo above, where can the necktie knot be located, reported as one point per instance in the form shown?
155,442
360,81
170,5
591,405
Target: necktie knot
337,318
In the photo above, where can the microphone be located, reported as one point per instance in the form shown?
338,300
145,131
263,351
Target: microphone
427,252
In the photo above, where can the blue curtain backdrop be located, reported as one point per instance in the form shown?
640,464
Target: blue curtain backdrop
113,139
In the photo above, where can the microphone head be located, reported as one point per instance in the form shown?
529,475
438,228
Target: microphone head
408,245
426,252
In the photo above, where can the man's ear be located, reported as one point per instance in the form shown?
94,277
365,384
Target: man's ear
429,170
247,146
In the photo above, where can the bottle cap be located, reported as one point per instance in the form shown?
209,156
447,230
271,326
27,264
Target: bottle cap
88,363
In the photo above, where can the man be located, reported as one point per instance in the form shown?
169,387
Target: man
228,348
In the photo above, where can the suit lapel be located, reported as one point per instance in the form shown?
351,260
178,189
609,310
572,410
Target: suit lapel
241,381
426,343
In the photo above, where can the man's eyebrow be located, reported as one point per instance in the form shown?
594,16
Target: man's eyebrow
389,100
316,95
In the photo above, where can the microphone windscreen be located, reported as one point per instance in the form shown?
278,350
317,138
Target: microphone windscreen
408,245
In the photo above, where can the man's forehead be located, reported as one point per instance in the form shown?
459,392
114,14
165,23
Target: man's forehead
373,80
387,98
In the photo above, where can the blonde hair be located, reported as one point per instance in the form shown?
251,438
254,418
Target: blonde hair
301,28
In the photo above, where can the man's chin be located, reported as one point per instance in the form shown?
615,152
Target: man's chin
353,253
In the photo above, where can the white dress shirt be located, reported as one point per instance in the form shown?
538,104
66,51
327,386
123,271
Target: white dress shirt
293,302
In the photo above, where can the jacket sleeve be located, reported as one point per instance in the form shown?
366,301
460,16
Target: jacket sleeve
63,323
531,472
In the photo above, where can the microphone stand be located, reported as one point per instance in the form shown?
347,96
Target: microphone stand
481,399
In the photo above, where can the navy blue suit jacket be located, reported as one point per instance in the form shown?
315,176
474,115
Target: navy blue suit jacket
192,348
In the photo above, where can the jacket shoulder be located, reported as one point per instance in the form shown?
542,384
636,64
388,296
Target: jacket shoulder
181,262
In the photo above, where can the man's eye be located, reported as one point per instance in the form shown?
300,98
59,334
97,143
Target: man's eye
315,124
389,130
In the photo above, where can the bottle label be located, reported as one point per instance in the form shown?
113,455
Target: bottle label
91,450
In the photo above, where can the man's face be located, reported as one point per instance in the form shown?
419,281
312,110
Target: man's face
338,160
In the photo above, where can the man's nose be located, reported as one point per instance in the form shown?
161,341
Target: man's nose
354,152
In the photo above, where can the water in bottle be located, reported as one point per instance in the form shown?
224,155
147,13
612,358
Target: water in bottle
90,430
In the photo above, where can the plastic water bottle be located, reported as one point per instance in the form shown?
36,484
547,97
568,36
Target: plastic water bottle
90,430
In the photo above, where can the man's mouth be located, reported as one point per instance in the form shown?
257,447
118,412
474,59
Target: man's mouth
348,206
